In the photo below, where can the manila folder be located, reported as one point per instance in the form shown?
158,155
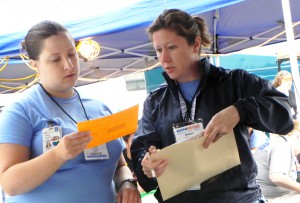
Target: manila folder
190,164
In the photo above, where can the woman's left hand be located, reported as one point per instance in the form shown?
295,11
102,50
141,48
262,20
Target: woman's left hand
128,193
220,124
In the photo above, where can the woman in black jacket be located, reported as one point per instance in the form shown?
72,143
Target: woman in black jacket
224,100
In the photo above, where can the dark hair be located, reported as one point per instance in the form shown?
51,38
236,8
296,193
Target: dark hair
184,25
36,35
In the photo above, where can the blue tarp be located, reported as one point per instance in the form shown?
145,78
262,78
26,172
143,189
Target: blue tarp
140,14
125,46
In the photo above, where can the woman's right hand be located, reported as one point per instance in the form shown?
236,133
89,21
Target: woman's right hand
72,144
158,166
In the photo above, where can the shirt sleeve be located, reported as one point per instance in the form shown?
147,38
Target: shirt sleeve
15,126
281,158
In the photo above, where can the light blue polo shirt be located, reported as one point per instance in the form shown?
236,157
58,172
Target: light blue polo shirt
78,180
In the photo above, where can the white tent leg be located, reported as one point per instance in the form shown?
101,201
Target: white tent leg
217,61
211,60
290,41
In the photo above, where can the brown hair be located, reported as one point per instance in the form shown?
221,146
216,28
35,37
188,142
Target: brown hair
279,76
184,25
37,34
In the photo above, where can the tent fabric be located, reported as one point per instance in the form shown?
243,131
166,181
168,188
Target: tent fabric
137,15
125,45
250,23
238,21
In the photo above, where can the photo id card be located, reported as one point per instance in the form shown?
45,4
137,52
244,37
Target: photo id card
186,131
96,153
51,137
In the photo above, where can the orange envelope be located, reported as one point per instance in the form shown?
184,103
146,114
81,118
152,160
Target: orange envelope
111,127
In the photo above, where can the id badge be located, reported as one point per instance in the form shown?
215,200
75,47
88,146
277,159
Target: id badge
96,153
186,131
51,137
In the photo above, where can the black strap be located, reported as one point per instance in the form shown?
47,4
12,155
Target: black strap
188,109
283,137
61,107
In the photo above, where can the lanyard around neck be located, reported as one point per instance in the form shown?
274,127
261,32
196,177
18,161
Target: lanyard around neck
61,106
188,110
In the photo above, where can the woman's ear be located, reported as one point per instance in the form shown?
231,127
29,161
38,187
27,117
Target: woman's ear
197,44
35,65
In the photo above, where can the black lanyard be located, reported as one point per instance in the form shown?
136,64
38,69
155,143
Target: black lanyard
283,137
188,109
60,105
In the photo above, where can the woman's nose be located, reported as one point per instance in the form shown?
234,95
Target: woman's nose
164,56
68,64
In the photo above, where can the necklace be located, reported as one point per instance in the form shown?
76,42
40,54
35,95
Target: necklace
49,95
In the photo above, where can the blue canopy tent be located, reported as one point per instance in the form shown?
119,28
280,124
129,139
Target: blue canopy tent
136,15
125,46
249,23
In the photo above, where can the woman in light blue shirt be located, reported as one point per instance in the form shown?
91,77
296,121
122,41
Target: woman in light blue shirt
43,157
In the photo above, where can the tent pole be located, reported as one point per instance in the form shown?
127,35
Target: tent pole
279,61
216,19
211,60
290,41
248,38
217,60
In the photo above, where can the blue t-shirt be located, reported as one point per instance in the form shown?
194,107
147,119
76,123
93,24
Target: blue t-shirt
188,89
257,139
77,180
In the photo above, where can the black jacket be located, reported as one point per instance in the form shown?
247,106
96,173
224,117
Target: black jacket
260,106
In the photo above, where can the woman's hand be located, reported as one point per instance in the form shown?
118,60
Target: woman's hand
221,124
128,193
72,144
156,166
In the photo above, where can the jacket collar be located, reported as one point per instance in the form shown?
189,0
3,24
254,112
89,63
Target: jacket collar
204,69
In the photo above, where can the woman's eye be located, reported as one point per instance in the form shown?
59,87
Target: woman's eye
172,47
158,50
55,60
